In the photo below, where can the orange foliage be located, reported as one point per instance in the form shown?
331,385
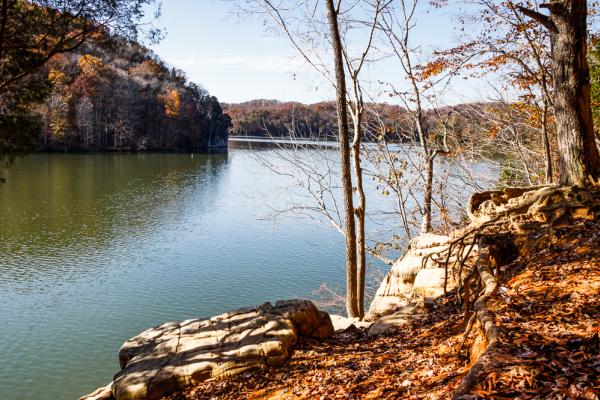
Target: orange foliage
173,104
90,64
433,68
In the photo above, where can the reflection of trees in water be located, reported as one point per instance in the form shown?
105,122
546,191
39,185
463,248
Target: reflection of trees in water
59,210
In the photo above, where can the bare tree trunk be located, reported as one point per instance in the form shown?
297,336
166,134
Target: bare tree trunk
546,138
360,214
429,163
428,195
579,162
342,114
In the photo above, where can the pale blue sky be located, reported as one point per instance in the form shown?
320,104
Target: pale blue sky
238,60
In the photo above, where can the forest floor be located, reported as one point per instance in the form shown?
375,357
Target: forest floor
547,311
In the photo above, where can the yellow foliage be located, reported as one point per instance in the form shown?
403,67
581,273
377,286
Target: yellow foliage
89,63
56,77
173,104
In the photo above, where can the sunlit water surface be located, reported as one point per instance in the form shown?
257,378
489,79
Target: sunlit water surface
96,248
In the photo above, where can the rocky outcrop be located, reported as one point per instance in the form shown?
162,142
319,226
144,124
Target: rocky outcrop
395,290
103,393
176,355
415,277
429,284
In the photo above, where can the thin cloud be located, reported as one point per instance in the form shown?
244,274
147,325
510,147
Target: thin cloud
260,63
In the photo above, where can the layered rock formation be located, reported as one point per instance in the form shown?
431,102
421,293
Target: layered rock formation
176,355
415,278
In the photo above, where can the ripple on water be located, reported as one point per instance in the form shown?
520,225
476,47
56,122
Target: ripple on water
95,249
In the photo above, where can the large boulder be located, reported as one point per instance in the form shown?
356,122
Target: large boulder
396,290
176,355
429,284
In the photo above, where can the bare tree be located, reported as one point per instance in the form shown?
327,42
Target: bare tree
340,70
344,137
397,25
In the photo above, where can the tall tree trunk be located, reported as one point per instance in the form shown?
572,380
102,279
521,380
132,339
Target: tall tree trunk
546,139
360,215
428,159
342,116
579,162
428,195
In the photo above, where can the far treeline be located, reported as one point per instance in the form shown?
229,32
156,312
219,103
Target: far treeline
382,122
122,97
74,78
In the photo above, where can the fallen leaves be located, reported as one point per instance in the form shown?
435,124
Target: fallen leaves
548,315
549,346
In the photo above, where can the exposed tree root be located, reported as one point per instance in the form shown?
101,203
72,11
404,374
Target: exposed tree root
497,212
486,321
517,345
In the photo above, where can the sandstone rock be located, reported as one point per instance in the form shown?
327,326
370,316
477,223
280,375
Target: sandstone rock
381,306
407,267
387,323
430,284
342,323
430,250
103,393
176,355
432,277
428,240
396,290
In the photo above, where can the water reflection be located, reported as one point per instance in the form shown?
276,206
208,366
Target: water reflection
57,206
96,248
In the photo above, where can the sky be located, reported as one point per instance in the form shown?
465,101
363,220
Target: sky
238,59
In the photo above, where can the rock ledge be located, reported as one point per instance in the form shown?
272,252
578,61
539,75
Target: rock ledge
176,355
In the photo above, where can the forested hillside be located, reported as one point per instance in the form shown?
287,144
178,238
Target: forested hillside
116,96
272,118
122,97
472,131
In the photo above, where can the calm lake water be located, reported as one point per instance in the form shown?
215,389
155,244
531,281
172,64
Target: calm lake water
96,248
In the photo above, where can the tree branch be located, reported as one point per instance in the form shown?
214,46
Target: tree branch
539,17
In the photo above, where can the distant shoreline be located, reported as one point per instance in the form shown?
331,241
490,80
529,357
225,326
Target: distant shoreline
200,150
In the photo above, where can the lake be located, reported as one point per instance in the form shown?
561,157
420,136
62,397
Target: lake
96,248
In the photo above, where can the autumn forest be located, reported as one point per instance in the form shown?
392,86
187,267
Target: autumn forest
299,199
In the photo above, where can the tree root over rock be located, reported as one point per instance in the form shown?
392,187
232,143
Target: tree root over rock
507,224
486,321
